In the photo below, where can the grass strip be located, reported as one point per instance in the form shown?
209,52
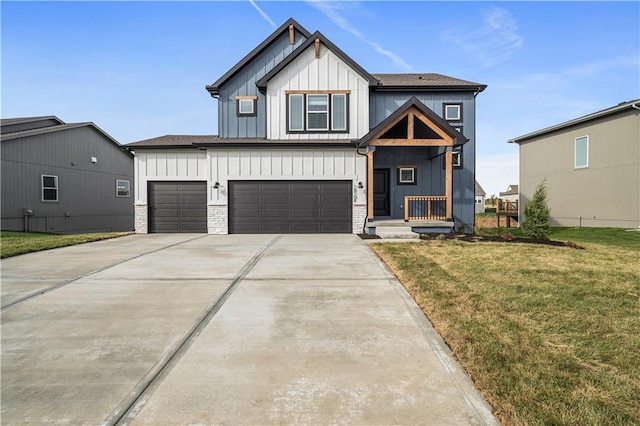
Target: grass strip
15,243
548,334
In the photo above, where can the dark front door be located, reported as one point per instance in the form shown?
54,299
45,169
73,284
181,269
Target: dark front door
265,207
381,206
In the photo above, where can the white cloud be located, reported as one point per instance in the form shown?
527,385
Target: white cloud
494,42
263,14
335,10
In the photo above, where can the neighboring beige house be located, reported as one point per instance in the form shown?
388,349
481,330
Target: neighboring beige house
511,194
592,167
480,198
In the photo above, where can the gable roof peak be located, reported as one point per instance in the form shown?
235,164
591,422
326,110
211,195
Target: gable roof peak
262,83
213,88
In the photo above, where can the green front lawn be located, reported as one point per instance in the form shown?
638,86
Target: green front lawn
15,243
550,335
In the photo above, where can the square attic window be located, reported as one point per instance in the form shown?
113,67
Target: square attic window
246,106
452,112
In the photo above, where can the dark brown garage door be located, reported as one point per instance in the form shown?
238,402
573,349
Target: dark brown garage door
263,207
177,206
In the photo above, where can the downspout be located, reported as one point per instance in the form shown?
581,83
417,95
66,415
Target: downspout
364,224
636,106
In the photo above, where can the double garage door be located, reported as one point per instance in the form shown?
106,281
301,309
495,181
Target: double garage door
255,207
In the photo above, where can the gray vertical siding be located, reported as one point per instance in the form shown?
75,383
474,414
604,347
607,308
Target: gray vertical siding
87,199
244,84
384,104
429,177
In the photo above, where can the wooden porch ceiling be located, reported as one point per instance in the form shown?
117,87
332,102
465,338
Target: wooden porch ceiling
413,114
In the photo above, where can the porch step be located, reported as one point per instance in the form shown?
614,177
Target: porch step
403,232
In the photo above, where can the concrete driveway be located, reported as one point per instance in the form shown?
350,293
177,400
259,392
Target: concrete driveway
235,329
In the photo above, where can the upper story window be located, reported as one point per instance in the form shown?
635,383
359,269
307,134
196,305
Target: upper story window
49,187
246,106
581,155
452,112
317,112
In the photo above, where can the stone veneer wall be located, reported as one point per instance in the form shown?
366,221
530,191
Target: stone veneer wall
359,216
141,220
218,219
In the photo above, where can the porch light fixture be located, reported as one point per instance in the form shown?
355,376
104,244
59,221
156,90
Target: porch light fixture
216,185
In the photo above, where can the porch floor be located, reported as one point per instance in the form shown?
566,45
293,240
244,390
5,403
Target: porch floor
412,223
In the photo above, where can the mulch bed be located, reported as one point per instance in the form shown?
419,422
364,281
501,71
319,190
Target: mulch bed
507,238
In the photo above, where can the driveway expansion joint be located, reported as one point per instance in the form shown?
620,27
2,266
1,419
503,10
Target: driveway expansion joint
131,404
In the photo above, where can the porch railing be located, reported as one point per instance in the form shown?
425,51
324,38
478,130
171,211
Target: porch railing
507,207
420,207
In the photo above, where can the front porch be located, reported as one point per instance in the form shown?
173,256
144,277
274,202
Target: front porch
398,228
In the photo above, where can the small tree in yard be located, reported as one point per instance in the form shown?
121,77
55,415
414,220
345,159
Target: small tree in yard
537,214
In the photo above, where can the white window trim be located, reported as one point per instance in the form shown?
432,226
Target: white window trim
333,127
446,112
291,128
456,158
128,191
575,152
413,175
250,102
314,129
42,188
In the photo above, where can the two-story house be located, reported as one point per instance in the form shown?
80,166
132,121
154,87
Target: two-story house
308,142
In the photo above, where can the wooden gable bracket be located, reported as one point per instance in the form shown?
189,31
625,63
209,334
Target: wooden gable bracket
412,113
292,34
317,46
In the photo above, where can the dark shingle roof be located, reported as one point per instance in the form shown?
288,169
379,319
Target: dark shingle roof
18,120
425,80
203,141
622,106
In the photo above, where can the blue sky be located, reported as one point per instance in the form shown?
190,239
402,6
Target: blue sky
138,69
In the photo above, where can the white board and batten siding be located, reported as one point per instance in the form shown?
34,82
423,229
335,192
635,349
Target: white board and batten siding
171,165
293,164
223,166
328,72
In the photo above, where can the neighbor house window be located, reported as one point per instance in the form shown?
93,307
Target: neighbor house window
452,112
49,188
123,188
246,106
407,175
581,158
317,112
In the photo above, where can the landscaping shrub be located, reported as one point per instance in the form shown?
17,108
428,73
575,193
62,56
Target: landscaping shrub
537,214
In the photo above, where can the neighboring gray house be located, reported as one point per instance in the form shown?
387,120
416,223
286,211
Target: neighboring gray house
64,178
592,167
511,194
309,141
480,198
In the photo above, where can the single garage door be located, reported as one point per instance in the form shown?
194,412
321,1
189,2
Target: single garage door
263,207
177,206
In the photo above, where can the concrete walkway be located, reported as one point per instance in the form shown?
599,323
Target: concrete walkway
237,329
